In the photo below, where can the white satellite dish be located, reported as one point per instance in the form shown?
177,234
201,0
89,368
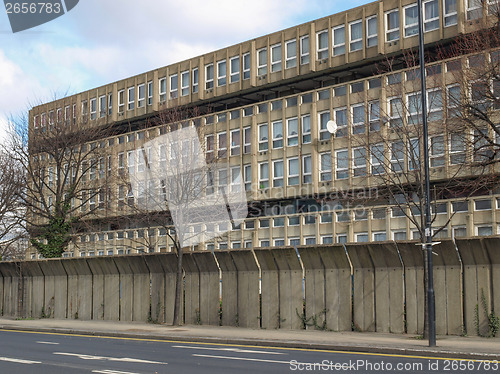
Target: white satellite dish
332,127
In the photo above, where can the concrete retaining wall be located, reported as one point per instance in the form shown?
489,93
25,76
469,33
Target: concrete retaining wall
369,286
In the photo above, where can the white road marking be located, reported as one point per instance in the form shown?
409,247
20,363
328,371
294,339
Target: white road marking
121,359
48,343
238,350
19,361
244,359
112,372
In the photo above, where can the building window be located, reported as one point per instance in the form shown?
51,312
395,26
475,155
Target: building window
392,25
474,9
379,236
150,93
262,61
361,237
306,128
247,169
325,166
246,66
174,86
306,169
209,147
278,173
304,50
340,117
457,149
399,235
437,151
397,157
185,83
235,179
377,159
277,134
263,137
485,230
102,106
247,140
411,20
395,112
110,104
293,171
459,231
339,40
93,109
356,35
414,115
222,144
131,98
235,142
341,238
322,42
294,241
290,54
234,69
431,15
310,240
209,76
374,115
324,117
292,125
358,118
163,89
294,221
195,80
453,97
450,12
221,73
435,104
263,175
359,161
482,204
371,31
460,206
342,164
276,58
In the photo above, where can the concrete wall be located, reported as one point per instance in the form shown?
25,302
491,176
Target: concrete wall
365,286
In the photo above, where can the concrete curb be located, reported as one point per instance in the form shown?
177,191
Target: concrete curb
268,343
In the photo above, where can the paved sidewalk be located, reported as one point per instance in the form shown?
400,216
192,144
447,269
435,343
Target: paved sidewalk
447,346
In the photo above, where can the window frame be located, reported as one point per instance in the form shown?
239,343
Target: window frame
321,52
396,30
370,37
358,41
412,28
276,64
325,175
261,68
185,88
290,62
263,180
209,82
338,49
234,76
221,78
293,179
304,56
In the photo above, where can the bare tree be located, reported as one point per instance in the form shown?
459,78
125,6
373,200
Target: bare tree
176,181
64,176
12,234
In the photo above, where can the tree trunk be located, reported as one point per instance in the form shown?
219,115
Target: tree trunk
178,290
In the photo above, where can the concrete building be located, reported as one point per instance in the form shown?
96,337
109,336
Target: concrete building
263,107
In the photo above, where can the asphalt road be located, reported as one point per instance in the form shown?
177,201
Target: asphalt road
40,353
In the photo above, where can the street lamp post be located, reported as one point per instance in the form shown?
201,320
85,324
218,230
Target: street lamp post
431,309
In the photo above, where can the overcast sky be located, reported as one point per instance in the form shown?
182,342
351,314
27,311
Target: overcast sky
101,41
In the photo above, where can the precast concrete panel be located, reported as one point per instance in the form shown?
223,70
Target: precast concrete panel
56,288
413,261
248,288
34,286
447,271
168,262
126,280
315,298
209,288
191,289
477,282
290,288
389,287
80,288
492,246
269,289
11,274
363,288
157,276
141,288
106,289
338,288
229,288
